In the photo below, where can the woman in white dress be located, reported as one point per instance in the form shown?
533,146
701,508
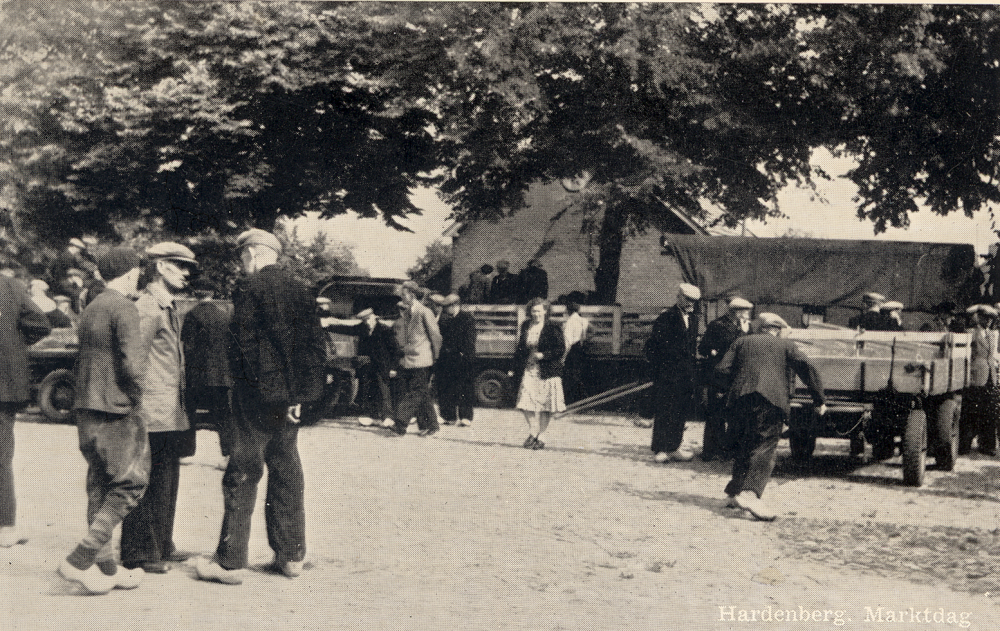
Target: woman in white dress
539,355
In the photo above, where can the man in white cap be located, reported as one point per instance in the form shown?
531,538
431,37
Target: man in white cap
761,369
454,371
377,354
276,356
719,336
871,319
670,351
147,532
981,399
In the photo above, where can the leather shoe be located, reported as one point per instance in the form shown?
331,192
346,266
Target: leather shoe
208,570
661,456
749,501
93,580
291,569
427,432
179,556
128,579
151,567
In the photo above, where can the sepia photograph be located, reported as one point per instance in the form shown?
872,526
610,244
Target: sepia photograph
498,316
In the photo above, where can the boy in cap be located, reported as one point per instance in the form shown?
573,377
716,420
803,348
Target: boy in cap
719,336
454,371
276,355
760,368
109,373
147,531
670,351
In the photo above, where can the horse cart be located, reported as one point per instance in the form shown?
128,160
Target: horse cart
886,389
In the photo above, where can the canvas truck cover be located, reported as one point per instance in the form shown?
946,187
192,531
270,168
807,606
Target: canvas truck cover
795,271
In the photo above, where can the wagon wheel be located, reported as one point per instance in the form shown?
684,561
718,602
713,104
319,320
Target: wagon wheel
492,388
55,395
946,424
915,448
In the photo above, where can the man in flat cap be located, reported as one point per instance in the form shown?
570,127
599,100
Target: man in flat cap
505,287
276,355
377,353
147,532
454,371
110,371
670,351
871,319
419,340
719,336
761,369
981,398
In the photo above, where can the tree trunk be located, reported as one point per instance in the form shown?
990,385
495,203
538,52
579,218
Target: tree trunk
610,243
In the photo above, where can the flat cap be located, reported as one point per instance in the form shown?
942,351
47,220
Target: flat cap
874,296
77,242
984,309
892,305
436,298
171,251
740,303
256,236
408,285
690,291
772,319
364,313
117,262
451,299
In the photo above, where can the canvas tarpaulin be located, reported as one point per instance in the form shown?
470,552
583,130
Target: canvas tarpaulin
794,271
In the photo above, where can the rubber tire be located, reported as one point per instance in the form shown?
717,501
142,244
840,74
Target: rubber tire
55,395
915,448
492,388
802,445
946,423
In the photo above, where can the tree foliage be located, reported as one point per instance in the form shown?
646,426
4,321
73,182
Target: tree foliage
436,258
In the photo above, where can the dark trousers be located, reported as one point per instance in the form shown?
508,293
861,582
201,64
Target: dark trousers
979,419
374,397
8,499
216,401
718,440
415,399
148,531
673,405
261,436
574,372
456,392
116,448
757,425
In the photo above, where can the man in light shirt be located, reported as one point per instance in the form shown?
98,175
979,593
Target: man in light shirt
575,330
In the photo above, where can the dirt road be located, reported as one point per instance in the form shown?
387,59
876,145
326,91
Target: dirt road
467,530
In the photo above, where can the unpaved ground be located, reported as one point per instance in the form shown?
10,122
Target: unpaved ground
467,530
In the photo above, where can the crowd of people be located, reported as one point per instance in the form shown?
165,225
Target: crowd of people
505,287
141,377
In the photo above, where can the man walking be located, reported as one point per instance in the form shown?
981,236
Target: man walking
147,532
276,354
419,340
670,351
22,323
109,375
761,368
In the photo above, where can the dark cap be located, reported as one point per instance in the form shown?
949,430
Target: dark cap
117,262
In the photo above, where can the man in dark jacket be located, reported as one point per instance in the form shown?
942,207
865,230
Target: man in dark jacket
22,323
454,372
534,281
504,288
377,354
719,336
207,381
276,357
110,369
761,368
670,351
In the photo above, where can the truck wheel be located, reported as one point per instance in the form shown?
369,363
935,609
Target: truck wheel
947,433
55,395
492,388
915,448
802,445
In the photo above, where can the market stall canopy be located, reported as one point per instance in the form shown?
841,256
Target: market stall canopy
794,271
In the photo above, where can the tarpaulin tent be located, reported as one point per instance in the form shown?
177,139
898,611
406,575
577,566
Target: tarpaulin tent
794,271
